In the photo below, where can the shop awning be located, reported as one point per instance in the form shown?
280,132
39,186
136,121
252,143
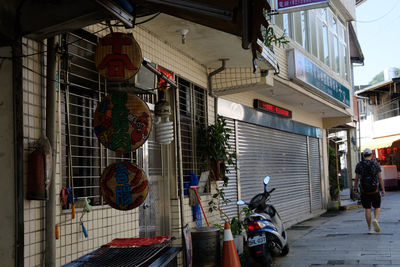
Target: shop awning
380,142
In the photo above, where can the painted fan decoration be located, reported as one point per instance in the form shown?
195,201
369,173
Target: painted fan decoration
122,122
124,186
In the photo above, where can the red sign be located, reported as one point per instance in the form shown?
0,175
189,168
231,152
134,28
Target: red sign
264,106
118,56
161,83
292,5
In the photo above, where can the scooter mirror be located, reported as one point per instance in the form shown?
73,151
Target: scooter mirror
240,202
266,180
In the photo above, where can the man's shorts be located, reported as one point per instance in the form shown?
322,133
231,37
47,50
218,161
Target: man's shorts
373,200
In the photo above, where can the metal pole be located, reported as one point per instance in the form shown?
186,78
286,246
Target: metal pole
51,132
349,161
18,151
337,172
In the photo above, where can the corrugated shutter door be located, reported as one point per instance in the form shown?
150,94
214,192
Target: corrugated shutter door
315,167
231,192
280,155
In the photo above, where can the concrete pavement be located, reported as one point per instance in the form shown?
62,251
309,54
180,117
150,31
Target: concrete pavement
341,239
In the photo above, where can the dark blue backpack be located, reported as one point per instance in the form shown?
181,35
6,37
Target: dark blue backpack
369,178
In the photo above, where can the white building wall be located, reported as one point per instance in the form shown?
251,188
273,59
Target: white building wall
386,127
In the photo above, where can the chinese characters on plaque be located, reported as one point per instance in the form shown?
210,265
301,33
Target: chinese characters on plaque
124,185
122,122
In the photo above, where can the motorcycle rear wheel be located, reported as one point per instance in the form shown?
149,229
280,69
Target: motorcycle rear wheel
285,250
267,259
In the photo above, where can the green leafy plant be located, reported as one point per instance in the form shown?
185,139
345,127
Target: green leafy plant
236,226
215,149
270,38
334,191
217,154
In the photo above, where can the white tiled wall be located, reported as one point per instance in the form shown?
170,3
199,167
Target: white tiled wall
103,223
32,110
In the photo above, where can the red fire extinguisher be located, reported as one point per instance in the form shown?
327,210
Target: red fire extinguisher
39,171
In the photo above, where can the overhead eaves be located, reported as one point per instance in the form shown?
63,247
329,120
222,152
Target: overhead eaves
380,87
356,54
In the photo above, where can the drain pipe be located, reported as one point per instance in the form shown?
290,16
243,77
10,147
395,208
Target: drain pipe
18,150
51,132
211,92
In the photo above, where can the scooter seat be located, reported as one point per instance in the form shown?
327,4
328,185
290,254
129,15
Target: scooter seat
260,215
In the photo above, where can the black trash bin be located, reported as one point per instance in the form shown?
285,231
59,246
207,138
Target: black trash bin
206,246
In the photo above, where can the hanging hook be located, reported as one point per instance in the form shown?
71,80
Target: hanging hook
109,26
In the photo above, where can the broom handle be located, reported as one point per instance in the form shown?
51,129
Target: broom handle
201,206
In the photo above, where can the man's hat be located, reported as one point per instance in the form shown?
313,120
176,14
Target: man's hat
367,152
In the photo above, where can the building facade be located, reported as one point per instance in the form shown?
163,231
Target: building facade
379,120
279,119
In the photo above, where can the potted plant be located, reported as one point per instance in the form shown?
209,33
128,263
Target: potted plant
236,228
216,151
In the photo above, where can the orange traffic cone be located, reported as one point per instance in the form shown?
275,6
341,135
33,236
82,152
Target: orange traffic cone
230,257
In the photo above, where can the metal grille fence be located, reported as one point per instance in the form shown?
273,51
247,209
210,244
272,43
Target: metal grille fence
192,112
388,109
83,87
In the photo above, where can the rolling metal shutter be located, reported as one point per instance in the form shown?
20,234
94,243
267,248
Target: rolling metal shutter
315,174
231,191
280,155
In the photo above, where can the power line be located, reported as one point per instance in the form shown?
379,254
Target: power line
381,17
42,52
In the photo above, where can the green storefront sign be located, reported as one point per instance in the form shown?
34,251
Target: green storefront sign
304,70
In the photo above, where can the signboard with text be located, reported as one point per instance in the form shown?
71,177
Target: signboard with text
122,122
124,186
118,56
264,106
304,70
283,6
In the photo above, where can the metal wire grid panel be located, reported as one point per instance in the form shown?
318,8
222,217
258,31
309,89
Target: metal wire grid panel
192,112
121,257
388,109
86,89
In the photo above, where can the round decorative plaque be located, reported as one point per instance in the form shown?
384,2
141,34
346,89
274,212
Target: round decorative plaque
118,56
124,186
122,122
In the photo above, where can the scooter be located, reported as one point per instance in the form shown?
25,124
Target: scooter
266,234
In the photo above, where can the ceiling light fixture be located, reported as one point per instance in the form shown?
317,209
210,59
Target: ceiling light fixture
183,34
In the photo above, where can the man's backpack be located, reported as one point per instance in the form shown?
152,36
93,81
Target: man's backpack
369,179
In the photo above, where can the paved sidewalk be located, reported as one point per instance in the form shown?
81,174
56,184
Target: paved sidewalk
341,239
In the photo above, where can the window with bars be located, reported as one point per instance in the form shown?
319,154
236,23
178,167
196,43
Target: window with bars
84,158
192,115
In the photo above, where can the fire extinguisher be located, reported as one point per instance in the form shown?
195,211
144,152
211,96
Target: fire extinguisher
39,170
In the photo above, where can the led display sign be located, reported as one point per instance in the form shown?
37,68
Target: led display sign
264,106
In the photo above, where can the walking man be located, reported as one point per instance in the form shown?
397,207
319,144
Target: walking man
369,173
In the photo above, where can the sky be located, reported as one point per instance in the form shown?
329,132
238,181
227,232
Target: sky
378,31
